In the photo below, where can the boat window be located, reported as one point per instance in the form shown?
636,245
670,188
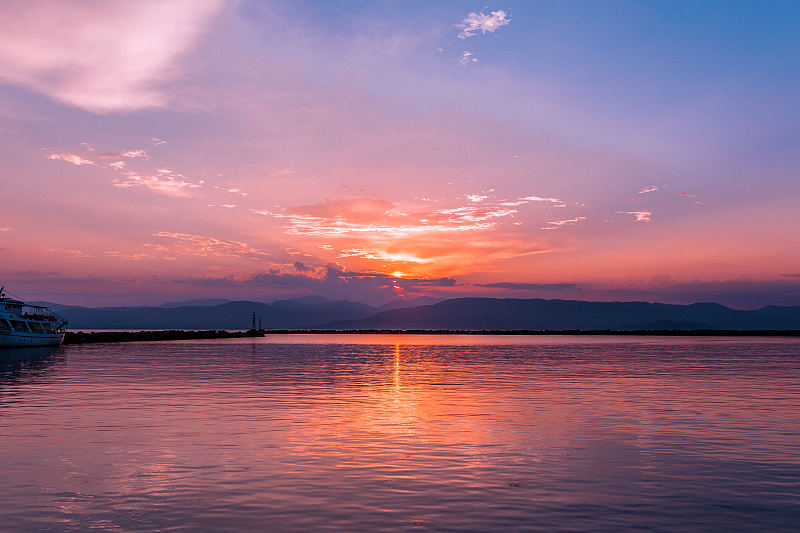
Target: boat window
4,325
19,325
48,327
36,327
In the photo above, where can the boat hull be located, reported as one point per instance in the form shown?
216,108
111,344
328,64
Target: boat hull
12,338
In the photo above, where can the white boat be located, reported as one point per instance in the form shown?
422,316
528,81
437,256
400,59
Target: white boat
28,325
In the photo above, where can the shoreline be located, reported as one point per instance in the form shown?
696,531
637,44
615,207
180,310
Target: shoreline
80,337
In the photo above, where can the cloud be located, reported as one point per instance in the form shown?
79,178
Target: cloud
529,286
480,22
138,153
75,159
236,190
383,255
476,197
380,217
329,280
100,56
555,202
641,216
204,246
131,257
300,267
790,275
687,195
467,58
417,237
166,182
555,224
5,228
649,188
69,252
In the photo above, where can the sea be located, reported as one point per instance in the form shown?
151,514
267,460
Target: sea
403,433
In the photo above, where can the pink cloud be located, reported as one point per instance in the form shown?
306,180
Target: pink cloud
130,257
204,246
554,202
127,154
555,224
641,216
75,159
101,57
166,182
70,252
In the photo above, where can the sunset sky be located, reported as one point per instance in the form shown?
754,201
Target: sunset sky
158,151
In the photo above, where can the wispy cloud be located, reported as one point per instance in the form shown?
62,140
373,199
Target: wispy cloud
164,182
205,246
554,202
649,188
106,57
88,155
641,216
6,228
70,252
75,159
467,58
483,23
556,224
380,217
130,257
383,255
687,195
528,286
138,153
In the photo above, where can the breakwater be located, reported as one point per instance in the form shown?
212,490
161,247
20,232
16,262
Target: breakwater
80,337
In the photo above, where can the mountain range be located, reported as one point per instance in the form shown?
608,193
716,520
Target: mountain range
315,312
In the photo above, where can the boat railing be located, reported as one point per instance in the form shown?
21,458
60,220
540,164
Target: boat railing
40,312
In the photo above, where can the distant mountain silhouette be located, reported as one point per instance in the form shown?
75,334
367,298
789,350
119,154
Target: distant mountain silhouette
196,303
538,314
462,313
283,314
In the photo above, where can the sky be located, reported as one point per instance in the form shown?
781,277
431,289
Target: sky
187,149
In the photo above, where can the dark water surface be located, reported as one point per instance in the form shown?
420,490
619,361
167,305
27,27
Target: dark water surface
371,433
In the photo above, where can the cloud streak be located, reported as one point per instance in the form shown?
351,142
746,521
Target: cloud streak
556,224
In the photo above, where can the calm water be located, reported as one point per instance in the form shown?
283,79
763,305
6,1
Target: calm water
370,433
